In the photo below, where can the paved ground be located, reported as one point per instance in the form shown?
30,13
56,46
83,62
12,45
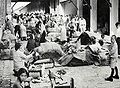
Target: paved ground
91,77
84,76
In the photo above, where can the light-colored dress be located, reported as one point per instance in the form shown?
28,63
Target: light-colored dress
113,54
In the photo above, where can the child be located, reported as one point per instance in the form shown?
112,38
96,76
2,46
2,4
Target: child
113,59
21,79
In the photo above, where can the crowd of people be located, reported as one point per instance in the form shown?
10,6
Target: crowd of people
45,32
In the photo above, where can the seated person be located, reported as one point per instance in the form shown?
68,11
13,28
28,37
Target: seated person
20,58
104,51
85,38
93,51
21,79
106,39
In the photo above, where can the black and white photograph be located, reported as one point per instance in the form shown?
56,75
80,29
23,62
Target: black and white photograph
59,43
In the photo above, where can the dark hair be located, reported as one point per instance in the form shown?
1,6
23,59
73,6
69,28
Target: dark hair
101,42
20,71
31,36
37,25
17,46
116,24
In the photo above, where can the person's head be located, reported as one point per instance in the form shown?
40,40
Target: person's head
31,36
102,36
117,24
22,74
93,40
113,38
101,42
17,46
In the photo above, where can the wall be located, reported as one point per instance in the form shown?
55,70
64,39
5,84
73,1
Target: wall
93,15
8,6
113,15
2,15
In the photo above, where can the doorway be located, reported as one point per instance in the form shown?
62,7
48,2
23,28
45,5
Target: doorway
103,16
86,12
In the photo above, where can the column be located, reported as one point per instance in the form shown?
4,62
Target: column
80,8
2,15
93,15
113,15
2,11
57,6
52,6
8,6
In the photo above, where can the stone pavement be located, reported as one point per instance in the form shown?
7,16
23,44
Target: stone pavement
91,76
85,76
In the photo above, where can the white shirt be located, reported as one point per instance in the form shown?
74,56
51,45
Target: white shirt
23,31
19,58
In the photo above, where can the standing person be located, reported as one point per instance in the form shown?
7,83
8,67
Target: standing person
82,24
17,30
71,29
118,36
31,43
113,59
9,24
21,78
63,35
23,32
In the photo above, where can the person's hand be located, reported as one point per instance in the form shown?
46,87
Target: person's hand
29,79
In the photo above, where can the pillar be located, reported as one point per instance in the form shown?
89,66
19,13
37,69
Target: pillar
80,8
8,6
2,15
57,6
113,15
2,11
5,7
93,15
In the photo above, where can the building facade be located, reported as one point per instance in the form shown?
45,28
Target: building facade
105,12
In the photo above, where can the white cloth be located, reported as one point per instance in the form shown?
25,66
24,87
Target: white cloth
48,47
19,58
96,48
